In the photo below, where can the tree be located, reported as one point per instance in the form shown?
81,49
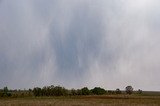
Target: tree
98,91
85,91
118,91
73,92
59,91
5,92
79,92
37,91
129,90
139,91
5,89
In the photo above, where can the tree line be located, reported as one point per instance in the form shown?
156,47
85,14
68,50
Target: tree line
61,91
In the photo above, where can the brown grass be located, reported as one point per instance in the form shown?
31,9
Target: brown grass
108,100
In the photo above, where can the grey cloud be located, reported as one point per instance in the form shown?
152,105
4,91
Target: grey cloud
78,43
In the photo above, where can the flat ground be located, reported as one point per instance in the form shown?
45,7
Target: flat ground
105,100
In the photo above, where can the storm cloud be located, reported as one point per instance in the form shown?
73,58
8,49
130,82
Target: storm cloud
76,43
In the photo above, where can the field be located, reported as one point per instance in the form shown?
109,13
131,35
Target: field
105,100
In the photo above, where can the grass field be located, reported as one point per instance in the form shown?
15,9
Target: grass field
105,100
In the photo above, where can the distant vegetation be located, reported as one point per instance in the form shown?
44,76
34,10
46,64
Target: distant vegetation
60,96
61,91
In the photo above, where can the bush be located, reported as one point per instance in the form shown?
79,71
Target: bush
118,91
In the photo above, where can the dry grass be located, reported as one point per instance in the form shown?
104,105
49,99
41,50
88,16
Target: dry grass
108,100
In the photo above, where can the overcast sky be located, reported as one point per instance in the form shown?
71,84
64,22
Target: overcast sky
77,43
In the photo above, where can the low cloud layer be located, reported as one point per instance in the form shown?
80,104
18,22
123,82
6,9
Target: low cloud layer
75,43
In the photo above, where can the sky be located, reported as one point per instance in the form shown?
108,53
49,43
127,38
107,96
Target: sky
77,43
